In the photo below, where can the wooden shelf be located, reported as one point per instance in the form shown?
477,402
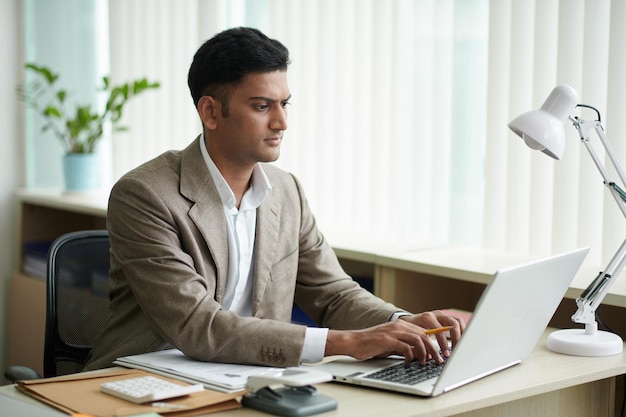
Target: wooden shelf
43,215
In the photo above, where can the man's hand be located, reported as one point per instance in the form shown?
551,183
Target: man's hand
405,336
434,319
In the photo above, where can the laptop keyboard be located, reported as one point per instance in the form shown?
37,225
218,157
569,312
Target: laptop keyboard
411,375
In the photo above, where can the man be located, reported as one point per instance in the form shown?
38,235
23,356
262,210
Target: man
210,246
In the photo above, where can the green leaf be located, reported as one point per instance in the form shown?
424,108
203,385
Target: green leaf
78,127
51,111
44,72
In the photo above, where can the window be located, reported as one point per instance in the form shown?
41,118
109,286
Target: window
71,38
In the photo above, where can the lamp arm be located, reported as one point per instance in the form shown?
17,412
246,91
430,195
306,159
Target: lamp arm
592,296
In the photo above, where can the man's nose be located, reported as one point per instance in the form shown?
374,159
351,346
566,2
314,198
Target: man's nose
279,119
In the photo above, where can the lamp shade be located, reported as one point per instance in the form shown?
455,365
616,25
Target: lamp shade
543,129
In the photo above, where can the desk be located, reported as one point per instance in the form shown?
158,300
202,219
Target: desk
546,384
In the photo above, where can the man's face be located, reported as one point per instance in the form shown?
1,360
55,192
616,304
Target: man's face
257,118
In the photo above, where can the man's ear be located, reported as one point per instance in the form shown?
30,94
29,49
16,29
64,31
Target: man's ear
209,109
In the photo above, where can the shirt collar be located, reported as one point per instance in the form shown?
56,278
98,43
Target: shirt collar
254,196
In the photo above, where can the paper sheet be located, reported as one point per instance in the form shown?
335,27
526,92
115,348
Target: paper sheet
219,376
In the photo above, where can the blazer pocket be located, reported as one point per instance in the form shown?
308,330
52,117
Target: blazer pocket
288,266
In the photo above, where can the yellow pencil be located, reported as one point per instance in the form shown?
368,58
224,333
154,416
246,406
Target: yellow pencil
438,330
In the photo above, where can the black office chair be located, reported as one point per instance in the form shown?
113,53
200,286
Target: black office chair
77,302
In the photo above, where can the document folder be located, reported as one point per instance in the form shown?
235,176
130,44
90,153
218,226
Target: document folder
80,393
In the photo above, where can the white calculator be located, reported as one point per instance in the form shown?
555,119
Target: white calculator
147,388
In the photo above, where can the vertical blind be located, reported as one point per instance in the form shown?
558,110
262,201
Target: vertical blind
398,124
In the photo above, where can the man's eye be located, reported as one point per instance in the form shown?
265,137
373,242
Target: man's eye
261,107
285,104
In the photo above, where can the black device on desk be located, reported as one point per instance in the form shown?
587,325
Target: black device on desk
295,399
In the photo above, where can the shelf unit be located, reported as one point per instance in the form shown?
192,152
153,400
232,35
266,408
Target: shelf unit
43,215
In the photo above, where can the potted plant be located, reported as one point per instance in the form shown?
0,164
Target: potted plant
79,128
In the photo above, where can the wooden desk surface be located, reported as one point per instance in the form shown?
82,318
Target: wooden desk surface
547,383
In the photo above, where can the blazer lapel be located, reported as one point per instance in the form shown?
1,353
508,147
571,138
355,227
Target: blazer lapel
208,215
265,243
208,212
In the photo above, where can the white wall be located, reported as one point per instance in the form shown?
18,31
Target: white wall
11,156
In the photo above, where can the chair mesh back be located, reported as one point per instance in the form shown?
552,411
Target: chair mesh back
77,299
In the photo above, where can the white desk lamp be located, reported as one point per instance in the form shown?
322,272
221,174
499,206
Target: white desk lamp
543,130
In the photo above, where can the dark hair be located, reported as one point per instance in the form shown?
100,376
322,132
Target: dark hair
221,62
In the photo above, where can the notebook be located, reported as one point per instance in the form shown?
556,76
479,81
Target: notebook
510,317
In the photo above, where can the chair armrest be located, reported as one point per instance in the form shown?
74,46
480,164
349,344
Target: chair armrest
19,373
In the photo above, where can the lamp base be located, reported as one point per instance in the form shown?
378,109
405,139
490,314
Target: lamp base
578,342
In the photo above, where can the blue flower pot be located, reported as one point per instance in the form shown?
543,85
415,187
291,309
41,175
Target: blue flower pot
81,171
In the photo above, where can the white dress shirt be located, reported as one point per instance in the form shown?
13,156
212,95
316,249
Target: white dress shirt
241,226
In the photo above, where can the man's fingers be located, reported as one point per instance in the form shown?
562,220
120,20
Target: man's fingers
406,338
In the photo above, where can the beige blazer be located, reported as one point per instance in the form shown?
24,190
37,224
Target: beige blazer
169,260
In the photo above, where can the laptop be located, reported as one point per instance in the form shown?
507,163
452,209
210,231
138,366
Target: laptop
510,317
